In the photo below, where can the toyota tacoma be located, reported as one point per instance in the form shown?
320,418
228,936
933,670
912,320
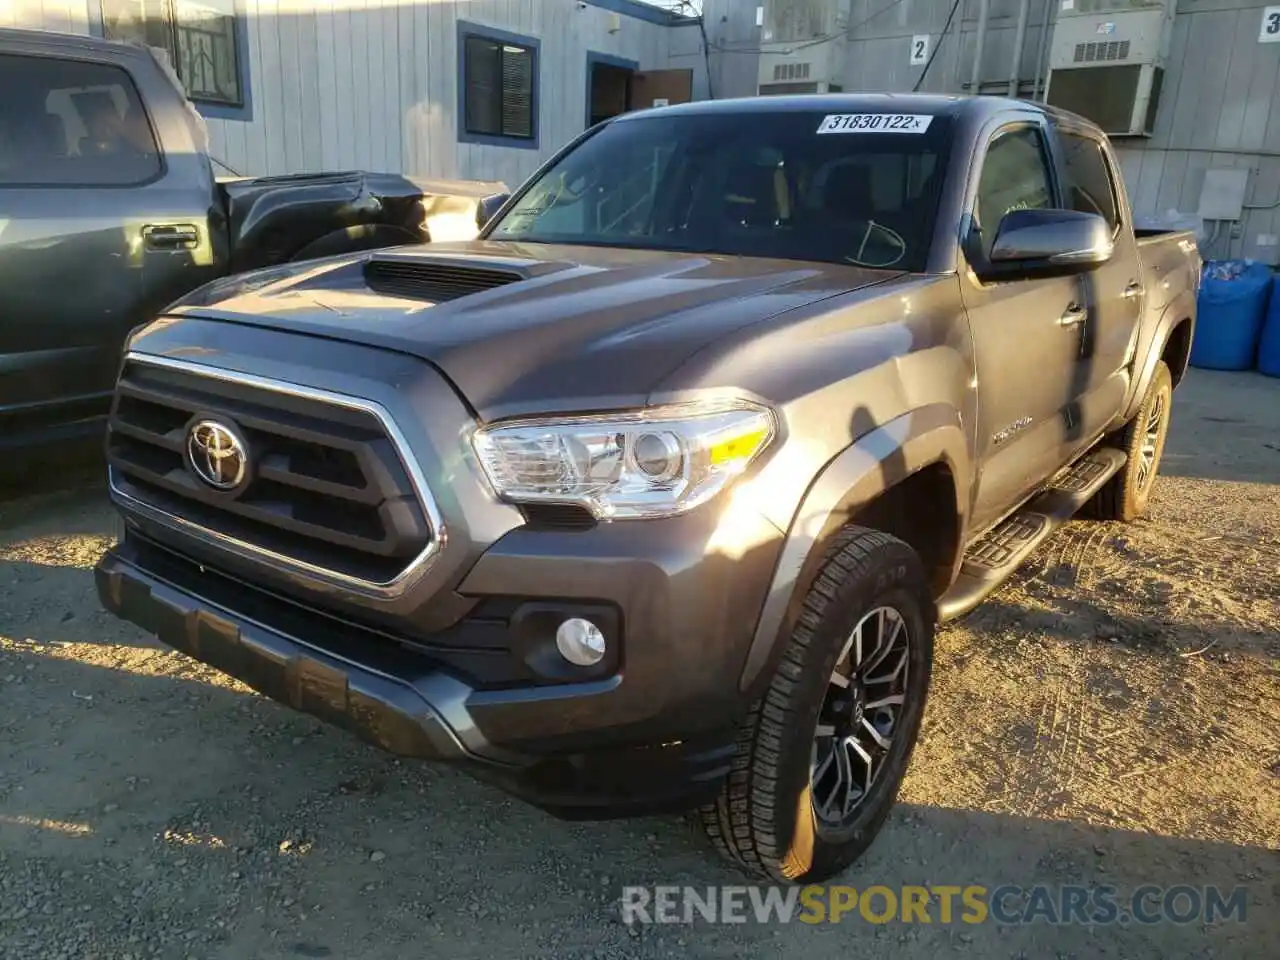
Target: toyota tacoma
651,497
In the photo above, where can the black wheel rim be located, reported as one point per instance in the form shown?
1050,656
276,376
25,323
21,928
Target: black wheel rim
861,712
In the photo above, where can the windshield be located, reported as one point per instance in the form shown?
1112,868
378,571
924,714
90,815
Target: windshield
764,185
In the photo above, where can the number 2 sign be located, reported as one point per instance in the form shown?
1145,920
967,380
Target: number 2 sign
1270,31
920,48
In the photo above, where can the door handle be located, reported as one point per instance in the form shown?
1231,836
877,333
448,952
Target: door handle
170,236
1073,315
1134,289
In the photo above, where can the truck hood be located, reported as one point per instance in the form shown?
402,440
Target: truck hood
523,328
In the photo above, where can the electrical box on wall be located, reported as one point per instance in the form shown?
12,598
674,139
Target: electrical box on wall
1106,61
1222,194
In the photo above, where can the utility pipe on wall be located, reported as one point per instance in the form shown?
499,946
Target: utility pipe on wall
1040,88
1019,38
979,41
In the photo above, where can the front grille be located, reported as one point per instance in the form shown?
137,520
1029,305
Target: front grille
326,489
436,282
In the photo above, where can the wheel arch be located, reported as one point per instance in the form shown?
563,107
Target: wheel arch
1170,341
908,478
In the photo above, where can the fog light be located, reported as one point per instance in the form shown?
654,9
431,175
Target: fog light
580,642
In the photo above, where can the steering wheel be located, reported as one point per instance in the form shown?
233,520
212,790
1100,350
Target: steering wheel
878,246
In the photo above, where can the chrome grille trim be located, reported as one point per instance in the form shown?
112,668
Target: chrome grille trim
322,576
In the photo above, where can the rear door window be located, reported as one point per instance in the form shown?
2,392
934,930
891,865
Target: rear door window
1089,185
72,123
1015,176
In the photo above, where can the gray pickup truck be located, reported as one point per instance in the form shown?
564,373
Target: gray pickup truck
111,207
652,497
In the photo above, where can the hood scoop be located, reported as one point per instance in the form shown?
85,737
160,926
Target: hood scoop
432,280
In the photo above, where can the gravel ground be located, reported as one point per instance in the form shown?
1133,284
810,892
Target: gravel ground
1112,716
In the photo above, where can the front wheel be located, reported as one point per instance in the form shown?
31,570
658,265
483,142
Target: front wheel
822,754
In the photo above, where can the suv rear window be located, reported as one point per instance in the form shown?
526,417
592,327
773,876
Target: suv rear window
754,184
72,123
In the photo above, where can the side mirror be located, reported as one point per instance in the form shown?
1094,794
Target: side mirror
1048,243
489,206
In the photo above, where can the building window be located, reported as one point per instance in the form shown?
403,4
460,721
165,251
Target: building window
200,37
498,87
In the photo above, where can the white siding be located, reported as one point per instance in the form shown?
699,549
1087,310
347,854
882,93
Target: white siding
373,83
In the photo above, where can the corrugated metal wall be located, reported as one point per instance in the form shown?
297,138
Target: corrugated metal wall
880,44
734,38
372,84
1219,110
730,26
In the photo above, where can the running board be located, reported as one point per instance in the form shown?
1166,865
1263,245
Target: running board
992,560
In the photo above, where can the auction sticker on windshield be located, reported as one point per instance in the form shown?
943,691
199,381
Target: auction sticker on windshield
875,123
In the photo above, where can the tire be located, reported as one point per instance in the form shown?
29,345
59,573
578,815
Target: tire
1127,494
766,819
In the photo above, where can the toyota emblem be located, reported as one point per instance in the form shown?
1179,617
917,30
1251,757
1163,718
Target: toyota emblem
217,454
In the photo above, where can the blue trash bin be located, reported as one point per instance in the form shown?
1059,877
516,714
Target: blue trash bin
1230,313
1269,343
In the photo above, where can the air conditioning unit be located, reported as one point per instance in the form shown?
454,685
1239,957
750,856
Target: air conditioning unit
1107,61
802,46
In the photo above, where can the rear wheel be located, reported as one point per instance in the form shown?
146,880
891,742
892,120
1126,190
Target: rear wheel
822,754
1127,494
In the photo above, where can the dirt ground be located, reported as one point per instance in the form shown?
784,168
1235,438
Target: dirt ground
1112,716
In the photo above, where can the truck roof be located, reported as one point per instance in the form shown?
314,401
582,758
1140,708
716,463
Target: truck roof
50,39
971,108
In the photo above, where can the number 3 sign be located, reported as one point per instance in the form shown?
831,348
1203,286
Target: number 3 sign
1270,32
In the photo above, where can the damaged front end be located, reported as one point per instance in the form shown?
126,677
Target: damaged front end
273,220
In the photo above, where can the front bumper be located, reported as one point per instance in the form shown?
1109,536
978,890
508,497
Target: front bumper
459,662
396,699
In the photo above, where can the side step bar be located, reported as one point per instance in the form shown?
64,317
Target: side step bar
992,560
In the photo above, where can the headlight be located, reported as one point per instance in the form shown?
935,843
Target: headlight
657,462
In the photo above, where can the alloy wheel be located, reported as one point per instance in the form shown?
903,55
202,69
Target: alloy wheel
864,702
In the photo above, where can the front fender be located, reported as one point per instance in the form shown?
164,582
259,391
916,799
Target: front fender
877,461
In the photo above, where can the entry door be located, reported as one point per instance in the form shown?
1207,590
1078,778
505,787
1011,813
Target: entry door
1113,292
1024,335
652,87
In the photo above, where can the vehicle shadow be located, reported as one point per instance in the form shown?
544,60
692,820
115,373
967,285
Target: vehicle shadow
73,479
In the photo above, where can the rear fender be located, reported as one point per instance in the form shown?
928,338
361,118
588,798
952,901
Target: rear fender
1151,346
877,461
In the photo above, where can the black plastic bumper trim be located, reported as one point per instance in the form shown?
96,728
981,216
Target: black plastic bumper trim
384,710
